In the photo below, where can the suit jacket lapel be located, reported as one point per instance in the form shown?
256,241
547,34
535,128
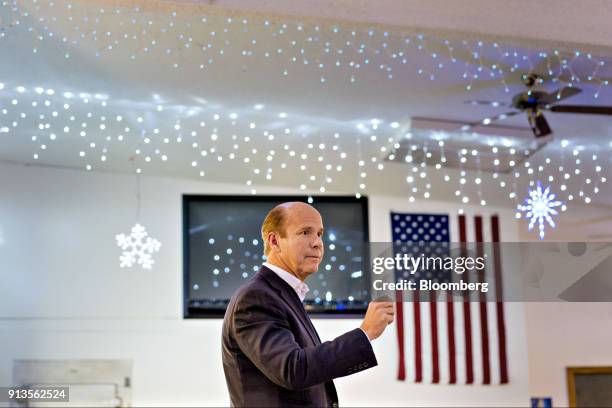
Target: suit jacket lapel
311,325
292,299
298,308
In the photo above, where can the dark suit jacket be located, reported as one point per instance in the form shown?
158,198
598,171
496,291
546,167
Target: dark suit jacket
272,354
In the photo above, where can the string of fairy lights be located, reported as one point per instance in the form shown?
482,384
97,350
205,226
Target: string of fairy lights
319,47
97,125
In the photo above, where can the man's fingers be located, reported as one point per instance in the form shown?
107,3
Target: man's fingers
383,305
387,310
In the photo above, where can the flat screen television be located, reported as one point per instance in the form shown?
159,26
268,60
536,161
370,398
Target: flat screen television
222,249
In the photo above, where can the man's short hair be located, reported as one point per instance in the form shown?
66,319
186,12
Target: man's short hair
274,222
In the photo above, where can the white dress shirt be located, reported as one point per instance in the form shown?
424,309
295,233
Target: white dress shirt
300,287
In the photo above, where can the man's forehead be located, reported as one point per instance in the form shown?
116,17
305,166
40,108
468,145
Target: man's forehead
303,214
297,208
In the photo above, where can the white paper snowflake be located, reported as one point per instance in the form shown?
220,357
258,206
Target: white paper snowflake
137,248
540,206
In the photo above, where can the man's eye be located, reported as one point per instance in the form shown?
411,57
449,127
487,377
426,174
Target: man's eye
305,232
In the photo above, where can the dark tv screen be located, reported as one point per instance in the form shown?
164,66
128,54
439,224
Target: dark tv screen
223,249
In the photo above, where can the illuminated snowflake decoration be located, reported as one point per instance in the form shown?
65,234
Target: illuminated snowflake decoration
540,207
137,248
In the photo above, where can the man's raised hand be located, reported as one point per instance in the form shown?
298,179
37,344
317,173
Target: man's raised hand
378,316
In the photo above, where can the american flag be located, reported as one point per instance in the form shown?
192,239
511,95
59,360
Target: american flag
445,341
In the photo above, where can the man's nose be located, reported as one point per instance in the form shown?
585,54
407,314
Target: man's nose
317,242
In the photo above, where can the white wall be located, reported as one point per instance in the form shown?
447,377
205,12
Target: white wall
63,294
562,335
565,335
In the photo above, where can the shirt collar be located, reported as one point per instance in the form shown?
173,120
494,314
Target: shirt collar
300,287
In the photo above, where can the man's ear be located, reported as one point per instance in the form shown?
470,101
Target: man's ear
273,241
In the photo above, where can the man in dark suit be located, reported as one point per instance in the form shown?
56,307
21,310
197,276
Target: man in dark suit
272,354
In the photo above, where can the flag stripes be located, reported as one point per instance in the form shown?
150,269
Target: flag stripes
448,341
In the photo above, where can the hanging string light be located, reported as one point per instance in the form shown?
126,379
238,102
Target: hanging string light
138,247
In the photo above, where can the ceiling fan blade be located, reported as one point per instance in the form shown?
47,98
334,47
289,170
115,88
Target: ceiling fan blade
538,123
488,103
560,94
501,116
588,109
488,121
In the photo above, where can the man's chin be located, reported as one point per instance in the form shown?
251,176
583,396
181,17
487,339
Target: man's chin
309,270
312,263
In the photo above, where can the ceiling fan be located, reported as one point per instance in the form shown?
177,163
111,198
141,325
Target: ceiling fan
533,102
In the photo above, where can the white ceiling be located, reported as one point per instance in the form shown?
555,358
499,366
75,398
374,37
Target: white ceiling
240,79
559,21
